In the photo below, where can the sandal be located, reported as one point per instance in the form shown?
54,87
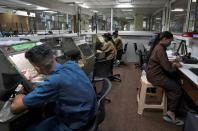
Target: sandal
168,119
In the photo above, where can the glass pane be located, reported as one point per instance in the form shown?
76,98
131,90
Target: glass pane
157,22
123,19
192,17
103,19
86,23
178,16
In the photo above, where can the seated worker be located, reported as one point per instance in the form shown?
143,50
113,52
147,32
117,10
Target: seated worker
160,73
66,85
118,44
108,47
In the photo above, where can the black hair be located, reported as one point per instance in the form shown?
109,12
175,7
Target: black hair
159,36
108,37
115,33
40,55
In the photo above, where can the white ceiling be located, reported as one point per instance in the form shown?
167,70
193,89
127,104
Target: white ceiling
143,7
113,3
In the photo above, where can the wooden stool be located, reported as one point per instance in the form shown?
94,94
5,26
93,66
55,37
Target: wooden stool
141,97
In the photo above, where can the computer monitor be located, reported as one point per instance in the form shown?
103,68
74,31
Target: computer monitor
10,78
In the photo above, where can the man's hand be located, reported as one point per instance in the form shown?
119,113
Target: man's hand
17,105
177,65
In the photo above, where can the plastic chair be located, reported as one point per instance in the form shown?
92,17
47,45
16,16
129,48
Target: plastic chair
141,97
100,113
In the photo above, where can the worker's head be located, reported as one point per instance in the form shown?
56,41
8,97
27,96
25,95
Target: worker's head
107,37
165,38
42,58
115,34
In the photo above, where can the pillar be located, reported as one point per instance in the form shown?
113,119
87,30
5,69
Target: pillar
138,22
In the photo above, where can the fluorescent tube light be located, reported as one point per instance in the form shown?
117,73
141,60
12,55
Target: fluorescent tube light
124,1
24,13
124,6
84,6
28,4
194,0
78,2
95,11
158,18
41,8
178,10
50,11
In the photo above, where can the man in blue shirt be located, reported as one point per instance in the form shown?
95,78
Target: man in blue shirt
66,85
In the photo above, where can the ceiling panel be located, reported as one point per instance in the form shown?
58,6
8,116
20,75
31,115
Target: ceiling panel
146,7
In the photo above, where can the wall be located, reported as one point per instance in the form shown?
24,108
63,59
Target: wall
8,21
142,41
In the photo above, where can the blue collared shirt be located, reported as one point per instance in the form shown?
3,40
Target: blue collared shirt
75,98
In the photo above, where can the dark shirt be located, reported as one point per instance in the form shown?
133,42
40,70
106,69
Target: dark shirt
159,65
71,90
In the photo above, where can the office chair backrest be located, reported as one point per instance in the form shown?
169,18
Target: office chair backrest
102,68
100,113
135,46
106,87
125,48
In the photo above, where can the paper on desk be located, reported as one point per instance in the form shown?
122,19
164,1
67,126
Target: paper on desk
169,52
5,112
185,66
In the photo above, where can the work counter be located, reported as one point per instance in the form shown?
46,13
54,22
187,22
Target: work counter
185,70
189,82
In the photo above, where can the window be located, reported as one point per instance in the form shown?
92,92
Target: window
192,17
123,19
178,16
157,22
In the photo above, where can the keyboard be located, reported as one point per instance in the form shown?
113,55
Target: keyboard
189,60
194,70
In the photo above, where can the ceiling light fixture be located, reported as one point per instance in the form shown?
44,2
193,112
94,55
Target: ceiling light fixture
50,11
95,11
194,0
84,6
124,1
28,4
24,13
124,5
78,2
20,2
41,8
128,18
178,10
158,18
